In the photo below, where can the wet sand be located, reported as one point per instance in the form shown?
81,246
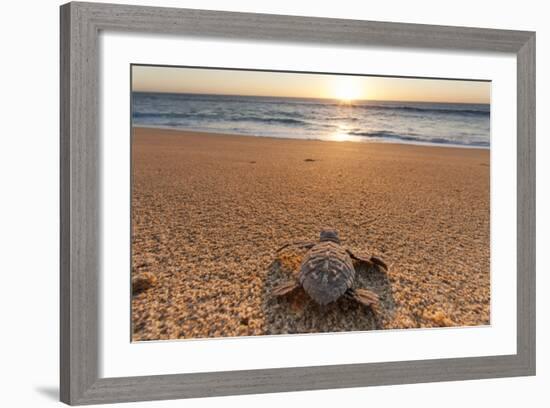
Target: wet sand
209,212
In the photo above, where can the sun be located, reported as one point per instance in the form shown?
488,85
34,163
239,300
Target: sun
346,89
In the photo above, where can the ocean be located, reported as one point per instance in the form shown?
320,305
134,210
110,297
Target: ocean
464,125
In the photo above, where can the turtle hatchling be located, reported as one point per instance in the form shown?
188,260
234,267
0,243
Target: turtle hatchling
327,272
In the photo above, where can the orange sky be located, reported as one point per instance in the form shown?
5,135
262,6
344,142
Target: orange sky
344,87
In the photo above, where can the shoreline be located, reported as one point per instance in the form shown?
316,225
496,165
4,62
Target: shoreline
358,140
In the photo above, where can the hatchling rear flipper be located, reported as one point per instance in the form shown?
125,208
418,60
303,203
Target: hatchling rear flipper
365,297
284,288
373,260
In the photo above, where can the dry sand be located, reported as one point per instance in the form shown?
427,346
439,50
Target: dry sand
210,210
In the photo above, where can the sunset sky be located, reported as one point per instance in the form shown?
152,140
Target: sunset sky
343,87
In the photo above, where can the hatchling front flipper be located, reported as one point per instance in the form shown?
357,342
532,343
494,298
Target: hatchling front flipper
373,260
299,244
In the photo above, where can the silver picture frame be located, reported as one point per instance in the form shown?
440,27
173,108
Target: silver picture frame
81,24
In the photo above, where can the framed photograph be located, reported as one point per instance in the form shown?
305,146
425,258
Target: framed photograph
261,203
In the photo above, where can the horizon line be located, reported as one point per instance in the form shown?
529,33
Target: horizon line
307,97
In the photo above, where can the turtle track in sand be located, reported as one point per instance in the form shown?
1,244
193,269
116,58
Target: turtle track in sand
297,313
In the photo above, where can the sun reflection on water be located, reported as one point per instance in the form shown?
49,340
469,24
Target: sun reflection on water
343,133
341,137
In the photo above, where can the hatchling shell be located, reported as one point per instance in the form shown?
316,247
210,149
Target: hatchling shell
326,272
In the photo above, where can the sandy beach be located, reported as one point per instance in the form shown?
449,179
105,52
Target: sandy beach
209,212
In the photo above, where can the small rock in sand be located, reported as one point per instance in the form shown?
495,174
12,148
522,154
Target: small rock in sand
143,281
